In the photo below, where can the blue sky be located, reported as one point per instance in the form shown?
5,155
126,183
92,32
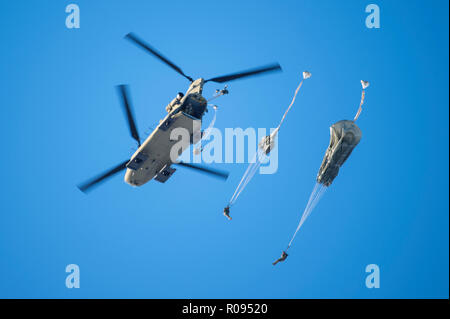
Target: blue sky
61,123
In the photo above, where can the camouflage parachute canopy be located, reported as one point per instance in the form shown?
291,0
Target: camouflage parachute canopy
344,136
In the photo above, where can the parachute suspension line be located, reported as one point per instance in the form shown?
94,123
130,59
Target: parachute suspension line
211,124
306,75
248,175
364,85
302,219
316,194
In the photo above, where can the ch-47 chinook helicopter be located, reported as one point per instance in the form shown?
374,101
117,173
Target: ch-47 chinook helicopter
152,158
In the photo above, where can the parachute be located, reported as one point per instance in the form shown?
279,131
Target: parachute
344,136
266,144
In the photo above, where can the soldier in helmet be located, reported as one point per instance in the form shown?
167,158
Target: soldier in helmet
282,258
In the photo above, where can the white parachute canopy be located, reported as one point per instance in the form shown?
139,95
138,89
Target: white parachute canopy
306,75
365,84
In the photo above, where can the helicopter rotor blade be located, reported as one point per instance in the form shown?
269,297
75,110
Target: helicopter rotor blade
86,187
238,75
130,36
123,91
214,172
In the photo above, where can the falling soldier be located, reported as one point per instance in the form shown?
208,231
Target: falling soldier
282,258
226,212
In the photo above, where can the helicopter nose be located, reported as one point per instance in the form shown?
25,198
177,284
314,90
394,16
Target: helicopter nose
130,178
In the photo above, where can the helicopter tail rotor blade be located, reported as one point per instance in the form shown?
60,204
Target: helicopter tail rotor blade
238,75
155,53
123,91
214,172
87,186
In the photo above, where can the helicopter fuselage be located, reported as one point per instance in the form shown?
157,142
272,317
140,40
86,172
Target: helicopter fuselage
163,146
153,158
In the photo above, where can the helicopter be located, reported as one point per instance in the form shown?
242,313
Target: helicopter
152,159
